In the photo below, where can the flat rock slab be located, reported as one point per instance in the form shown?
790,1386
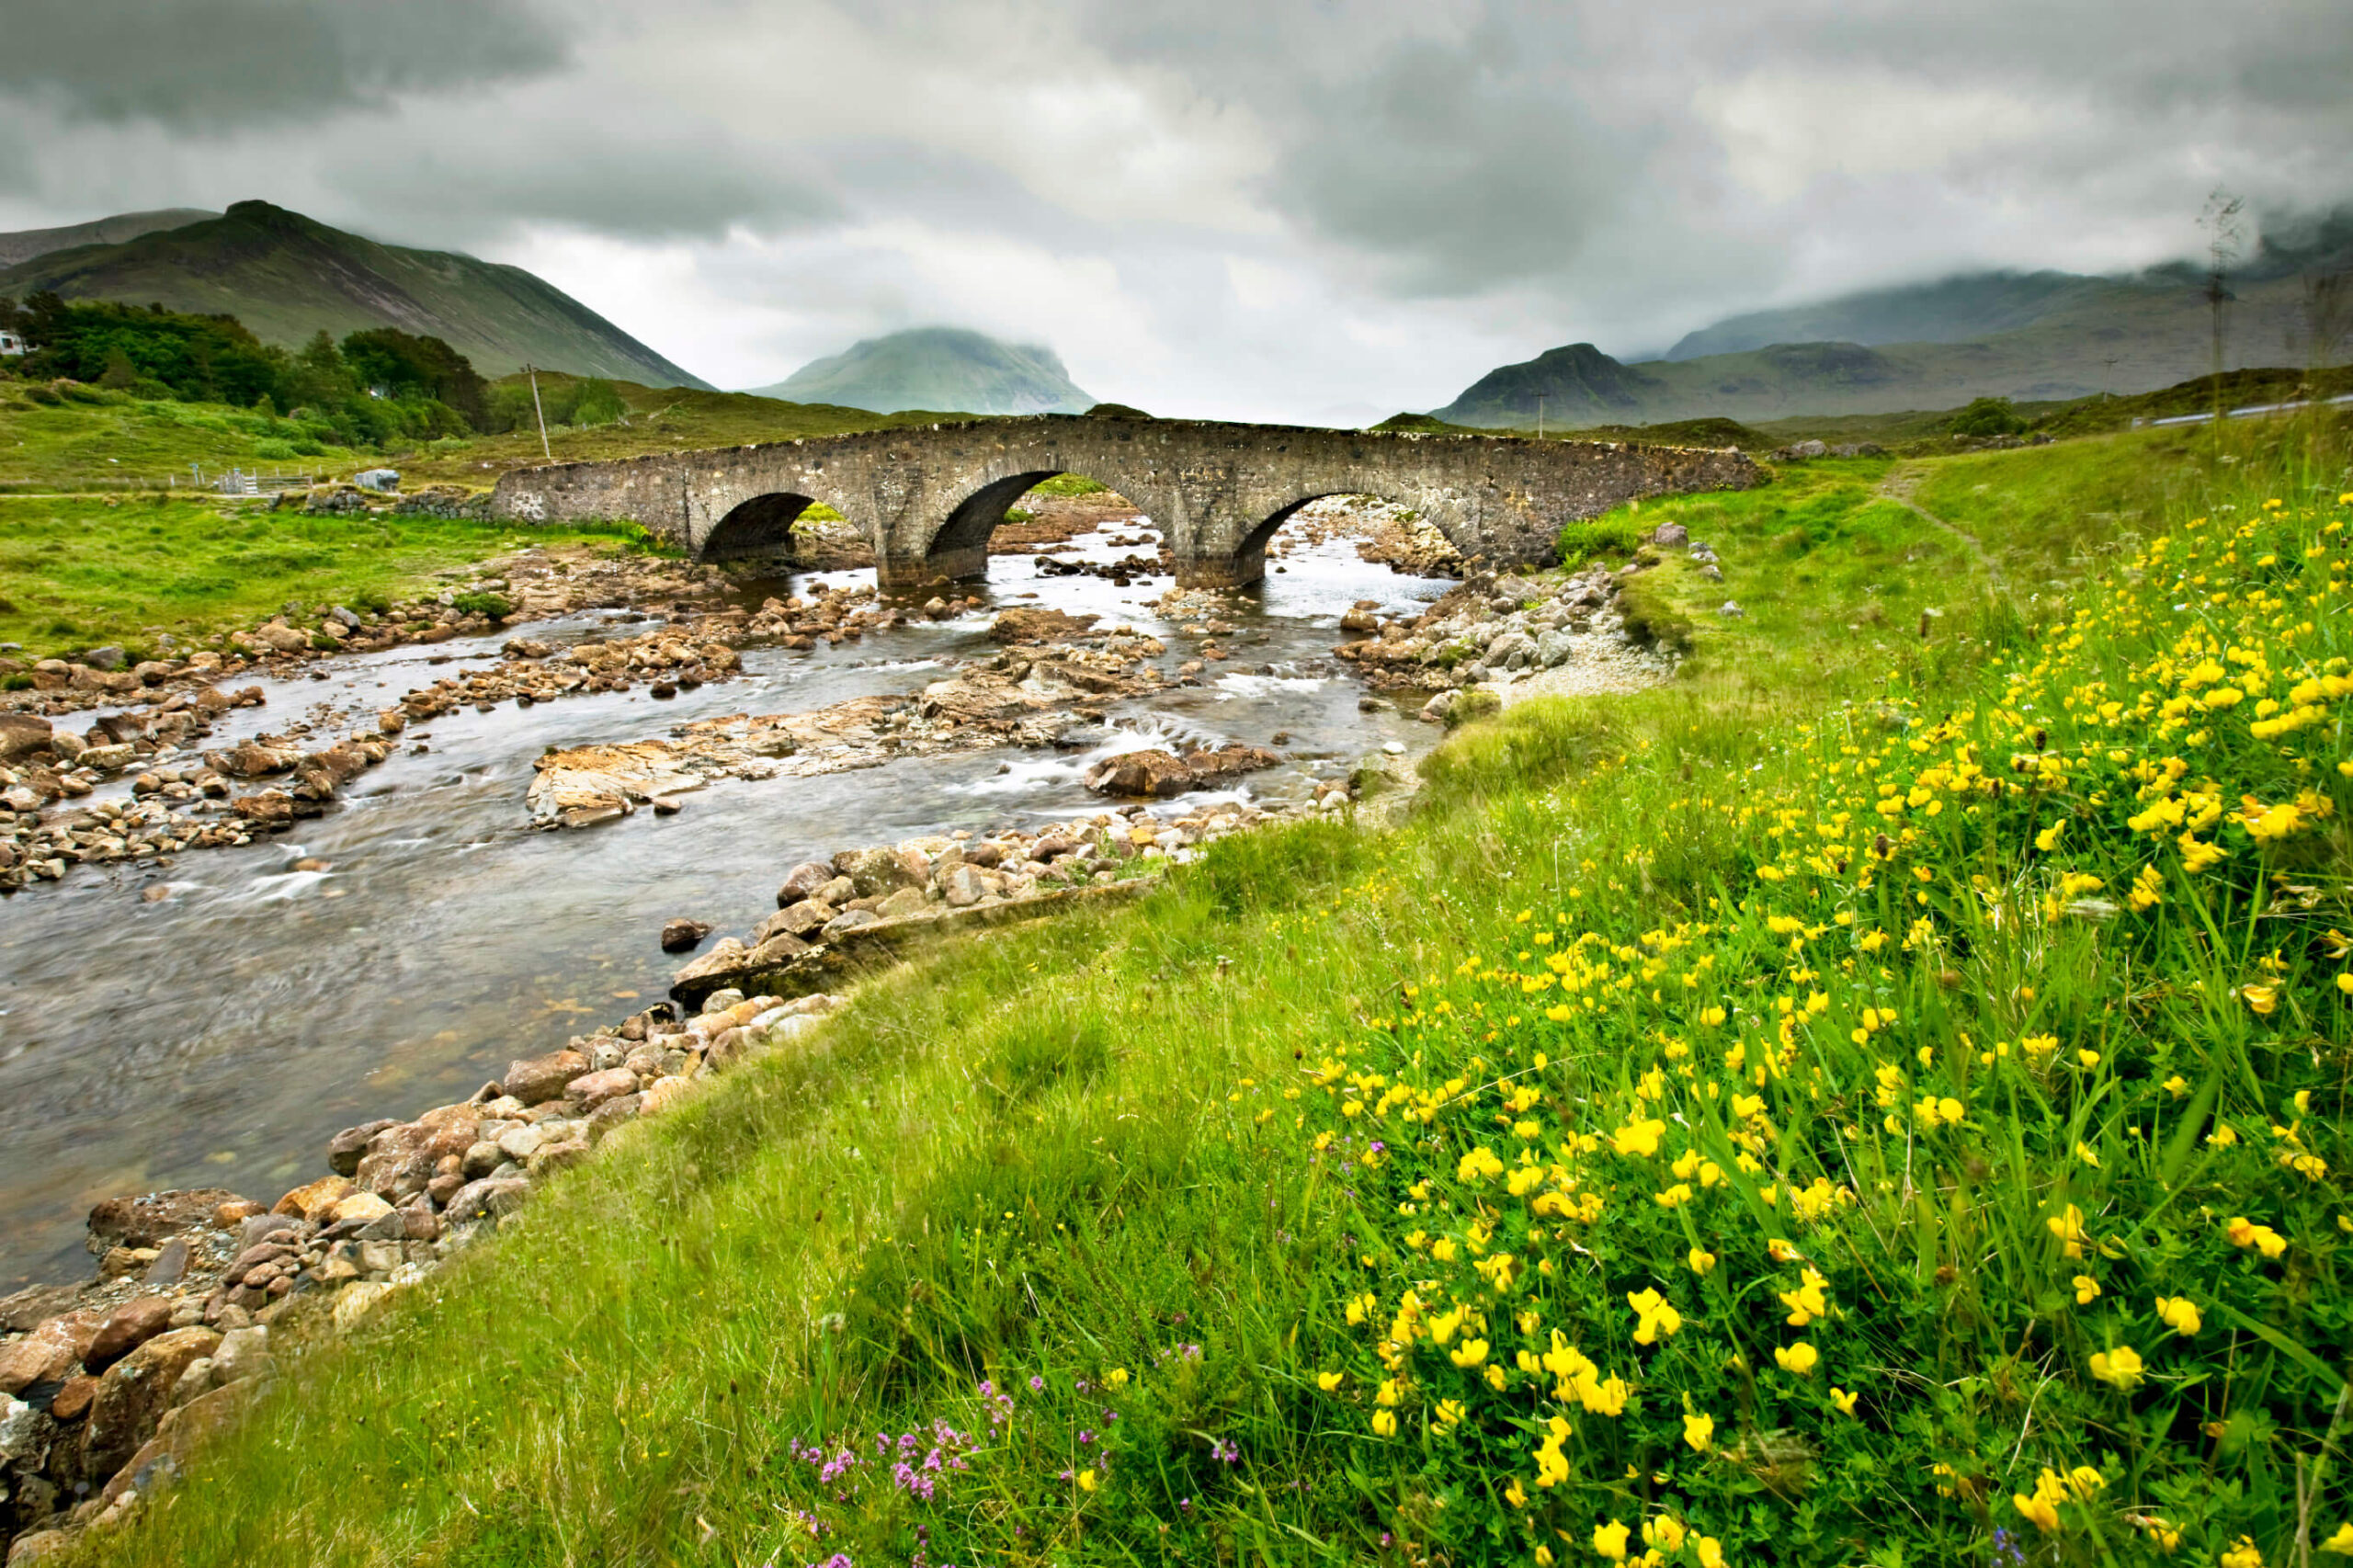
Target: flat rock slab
764,969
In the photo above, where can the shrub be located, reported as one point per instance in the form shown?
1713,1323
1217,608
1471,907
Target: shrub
1583,540
274,450
1987,417
485,603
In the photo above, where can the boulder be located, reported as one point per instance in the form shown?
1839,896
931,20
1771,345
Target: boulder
903,904
127,1328
543,1077
874,873
683,936
963,887
154,1217
1670,535
1038,626
612,1114
492,1194
1154,773
346,1147
161,1458
593,1089
802,882
48,1354
135,1393
793,920
23,735
315,1200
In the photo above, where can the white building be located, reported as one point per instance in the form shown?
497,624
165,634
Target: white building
11,344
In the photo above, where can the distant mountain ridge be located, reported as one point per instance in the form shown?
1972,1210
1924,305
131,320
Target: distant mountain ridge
937,367
26,244
288,277
2031,336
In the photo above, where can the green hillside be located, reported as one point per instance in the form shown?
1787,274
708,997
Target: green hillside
939,367
26,243
288,277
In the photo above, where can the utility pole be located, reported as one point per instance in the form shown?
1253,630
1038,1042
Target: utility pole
2220,221
540,411
1540,416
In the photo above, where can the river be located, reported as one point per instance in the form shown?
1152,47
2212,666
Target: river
219,1036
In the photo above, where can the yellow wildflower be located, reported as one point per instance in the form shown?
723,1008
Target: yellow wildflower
2245,1554
1086,1481
1701,1430
1385,1423
2122,1365
2180,1314
1842,1400
2246,1232
1327,1381
1638,1138
2068,1226
2086,1290
1800,1359
1609,1541
1701,1259
1654,1319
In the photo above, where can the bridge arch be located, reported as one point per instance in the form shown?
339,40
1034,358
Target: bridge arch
760,527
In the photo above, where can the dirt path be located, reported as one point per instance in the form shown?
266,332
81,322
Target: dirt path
1902,482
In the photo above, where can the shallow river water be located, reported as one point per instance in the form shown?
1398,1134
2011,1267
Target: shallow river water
220,1036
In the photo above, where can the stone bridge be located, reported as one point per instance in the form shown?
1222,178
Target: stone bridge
928,496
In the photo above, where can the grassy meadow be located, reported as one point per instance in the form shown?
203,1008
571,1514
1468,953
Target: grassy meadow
78,438
78,572
1876,1099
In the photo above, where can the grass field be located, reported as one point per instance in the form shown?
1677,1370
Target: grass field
1876,1099
77,573
88,439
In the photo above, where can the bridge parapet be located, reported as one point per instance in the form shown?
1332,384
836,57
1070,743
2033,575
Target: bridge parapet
928,497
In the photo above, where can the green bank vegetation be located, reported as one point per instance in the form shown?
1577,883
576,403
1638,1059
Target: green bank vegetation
1860,1102
78,572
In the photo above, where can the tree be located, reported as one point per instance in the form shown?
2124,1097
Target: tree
398,365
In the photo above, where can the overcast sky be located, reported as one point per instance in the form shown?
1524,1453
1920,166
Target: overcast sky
1241,207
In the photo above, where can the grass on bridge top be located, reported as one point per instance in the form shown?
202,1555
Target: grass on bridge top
1875,1099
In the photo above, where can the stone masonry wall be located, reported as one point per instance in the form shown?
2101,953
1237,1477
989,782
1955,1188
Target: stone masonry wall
928,496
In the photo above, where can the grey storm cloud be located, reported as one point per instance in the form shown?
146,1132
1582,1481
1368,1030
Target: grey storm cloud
1273,196
216,64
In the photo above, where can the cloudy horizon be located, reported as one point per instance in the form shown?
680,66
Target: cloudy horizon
1314,210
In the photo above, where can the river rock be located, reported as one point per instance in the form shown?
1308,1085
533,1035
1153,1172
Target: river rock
315,1200
49,1353
492,1194
593,1089
1160,774
794,920
134,1391
901,905
1038,626
161,1458
801,882
346,1147
127,1328
612,1114
683,936
22,735
153,1218
542,1077
963,887
874,873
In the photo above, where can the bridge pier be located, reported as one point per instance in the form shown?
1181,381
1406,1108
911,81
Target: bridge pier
902,574
1236,571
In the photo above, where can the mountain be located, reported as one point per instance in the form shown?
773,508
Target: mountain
937,367
26,244
288,277
2030,335
1954,310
